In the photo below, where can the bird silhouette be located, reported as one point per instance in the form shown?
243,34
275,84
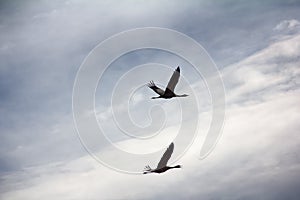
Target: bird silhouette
162,165
169,92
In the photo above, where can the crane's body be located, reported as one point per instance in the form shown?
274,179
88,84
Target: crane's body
168,93
162,165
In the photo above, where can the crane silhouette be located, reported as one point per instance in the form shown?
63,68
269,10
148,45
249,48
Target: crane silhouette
162,165
169,92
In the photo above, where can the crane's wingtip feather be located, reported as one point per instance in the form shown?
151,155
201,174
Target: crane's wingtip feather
172,144
178,69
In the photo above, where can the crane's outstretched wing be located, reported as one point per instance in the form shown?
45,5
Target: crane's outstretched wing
155,88
174,80
165,158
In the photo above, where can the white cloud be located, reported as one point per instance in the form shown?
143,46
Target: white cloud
251,144
273,68
286,29
287,25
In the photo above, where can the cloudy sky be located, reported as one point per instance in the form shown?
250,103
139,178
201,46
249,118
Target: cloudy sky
254,44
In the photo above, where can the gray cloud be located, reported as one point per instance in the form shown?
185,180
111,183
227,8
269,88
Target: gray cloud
42,46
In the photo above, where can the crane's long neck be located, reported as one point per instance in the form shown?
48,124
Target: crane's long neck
177,166
181,95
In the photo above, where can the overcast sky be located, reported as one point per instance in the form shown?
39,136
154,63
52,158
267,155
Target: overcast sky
256,47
